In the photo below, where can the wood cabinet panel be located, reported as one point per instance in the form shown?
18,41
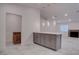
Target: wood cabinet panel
17,37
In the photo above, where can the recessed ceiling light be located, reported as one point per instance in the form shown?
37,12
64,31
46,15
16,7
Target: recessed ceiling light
66,14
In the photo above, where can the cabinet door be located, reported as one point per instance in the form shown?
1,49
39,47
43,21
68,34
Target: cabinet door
58,42
46,40
42,39
51,41
17,37
34,37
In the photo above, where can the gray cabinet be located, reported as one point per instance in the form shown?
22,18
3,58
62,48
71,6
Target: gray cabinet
52,41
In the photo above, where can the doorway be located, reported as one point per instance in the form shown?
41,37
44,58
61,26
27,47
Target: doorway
13,29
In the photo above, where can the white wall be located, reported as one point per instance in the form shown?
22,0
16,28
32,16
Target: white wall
43,25
74,25
56,28
2,28
30,22
71,26
48,28
13,24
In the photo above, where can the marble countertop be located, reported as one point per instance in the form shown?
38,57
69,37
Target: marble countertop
48,32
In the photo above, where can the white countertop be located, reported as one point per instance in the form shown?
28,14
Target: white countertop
48,32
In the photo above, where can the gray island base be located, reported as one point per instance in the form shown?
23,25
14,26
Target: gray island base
48,40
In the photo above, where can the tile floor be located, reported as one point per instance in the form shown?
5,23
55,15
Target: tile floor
70,46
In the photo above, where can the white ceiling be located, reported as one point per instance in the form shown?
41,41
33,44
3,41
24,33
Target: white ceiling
57,9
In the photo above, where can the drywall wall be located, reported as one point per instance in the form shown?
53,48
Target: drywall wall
30,22
71,26
13,24
43,25
55,27
48,25
2,28
74,25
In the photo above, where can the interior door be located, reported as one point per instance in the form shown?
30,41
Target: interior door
13,28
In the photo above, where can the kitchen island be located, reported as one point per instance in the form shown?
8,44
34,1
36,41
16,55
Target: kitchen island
47,39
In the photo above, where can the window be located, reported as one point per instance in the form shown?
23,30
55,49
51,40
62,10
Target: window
64,28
